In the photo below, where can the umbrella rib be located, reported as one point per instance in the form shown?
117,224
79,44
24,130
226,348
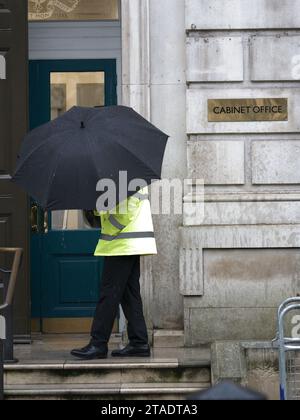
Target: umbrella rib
42,144
97,115
136,157
92,154
128,151
115,117
59,158
124,147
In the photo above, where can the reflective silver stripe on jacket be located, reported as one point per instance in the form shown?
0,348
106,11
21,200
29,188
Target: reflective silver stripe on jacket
115,223
128,235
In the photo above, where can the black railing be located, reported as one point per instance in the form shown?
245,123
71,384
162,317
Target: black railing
8,279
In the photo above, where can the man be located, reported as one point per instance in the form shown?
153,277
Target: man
124,238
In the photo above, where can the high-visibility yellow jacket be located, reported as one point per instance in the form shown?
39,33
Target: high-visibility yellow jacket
130,232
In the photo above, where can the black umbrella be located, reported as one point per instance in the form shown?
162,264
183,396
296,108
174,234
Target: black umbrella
227,391
61,162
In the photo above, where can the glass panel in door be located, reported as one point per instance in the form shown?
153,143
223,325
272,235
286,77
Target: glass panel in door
70,89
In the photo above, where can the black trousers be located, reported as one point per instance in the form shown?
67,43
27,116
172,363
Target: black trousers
120,285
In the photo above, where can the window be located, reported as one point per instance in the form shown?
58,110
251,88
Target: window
47,10
69,89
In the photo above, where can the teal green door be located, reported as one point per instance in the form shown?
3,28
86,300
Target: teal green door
65,276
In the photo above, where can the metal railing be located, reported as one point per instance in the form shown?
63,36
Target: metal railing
8,279
289,353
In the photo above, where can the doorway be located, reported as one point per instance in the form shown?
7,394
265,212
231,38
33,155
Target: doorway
65,276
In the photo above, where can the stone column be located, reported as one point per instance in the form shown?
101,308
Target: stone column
136,56
154,85
168,110
136,94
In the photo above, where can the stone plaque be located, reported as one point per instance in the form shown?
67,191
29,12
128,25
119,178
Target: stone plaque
239,110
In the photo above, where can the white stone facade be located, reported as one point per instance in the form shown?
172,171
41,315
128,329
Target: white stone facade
223,279
249,240
154,83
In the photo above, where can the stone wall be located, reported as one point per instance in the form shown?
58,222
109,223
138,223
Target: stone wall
254,365
244,259
154,83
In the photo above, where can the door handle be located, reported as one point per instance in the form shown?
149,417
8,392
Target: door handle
38,220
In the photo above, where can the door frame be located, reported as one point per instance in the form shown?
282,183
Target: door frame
41,243
39,79
135,91
93,40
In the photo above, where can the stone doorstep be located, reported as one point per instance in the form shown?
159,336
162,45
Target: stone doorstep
166,377
93,365
45,373
106,389
107,377
109,365
168,339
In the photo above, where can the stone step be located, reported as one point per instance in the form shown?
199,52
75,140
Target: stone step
142,391
108,373
134,379
46,371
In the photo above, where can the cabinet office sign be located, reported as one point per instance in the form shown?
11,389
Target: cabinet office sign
240,110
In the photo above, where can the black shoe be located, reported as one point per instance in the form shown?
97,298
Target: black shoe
90,352
132,351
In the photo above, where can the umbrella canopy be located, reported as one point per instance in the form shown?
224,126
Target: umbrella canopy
228,391
61,162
